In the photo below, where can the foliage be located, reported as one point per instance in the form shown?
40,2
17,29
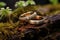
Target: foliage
30,2
10,31
2,4
20,4
5,12
54,2
24,3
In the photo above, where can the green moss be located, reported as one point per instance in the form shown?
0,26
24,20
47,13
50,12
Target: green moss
9,29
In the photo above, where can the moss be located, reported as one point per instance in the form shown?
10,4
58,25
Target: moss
10,29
